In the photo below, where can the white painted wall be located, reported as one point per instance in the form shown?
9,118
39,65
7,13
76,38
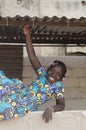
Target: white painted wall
76,49
66,120
47,51
12,8
54,51
68,8
40,8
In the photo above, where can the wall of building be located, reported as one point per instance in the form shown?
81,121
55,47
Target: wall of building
75,82
55,51
42,8
68,120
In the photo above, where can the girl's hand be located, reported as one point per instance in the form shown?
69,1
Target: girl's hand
26,30
47,115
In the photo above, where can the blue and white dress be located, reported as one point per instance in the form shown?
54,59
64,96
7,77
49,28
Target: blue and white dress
16,99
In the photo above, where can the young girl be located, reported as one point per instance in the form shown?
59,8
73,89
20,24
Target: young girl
16,99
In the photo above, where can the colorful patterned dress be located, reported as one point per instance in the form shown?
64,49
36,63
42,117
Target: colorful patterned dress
16,99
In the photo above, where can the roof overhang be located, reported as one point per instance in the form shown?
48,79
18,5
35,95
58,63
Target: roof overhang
44,31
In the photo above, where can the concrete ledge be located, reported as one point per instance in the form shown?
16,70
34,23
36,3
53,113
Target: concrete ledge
68,120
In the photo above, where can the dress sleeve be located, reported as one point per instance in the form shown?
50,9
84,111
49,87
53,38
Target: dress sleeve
41,71
59,90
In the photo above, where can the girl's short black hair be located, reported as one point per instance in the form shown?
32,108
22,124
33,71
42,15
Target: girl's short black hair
59,64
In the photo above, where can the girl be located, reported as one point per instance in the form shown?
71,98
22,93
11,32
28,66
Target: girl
16,99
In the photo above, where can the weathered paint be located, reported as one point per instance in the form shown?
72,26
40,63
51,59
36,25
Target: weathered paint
40,8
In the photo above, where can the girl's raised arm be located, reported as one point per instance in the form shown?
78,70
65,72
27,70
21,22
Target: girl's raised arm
30,49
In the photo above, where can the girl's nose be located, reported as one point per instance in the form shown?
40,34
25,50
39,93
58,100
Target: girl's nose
53,74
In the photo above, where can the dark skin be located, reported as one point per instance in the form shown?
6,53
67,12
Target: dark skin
53,75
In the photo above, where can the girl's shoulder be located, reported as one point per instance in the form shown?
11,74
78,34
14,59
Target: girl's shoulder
59,84
41,71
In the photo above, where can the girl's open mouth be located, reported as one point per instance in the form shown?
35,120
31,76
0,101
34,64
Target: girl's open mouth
51,79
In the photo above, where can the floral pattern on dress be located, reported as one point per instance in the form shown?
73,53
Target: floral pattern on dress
16,99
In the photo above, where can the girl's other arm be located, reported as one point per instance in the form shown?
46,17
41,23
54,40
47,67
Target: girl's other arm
60,105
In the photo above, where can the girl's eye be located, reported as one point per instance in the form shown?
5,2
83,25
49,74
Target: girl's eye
57,75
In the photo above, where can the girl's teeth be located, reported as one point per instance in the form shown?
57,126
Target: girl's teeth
51,78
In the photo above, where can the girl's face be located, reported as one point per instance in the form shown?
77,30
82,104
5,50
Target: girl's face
54,74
